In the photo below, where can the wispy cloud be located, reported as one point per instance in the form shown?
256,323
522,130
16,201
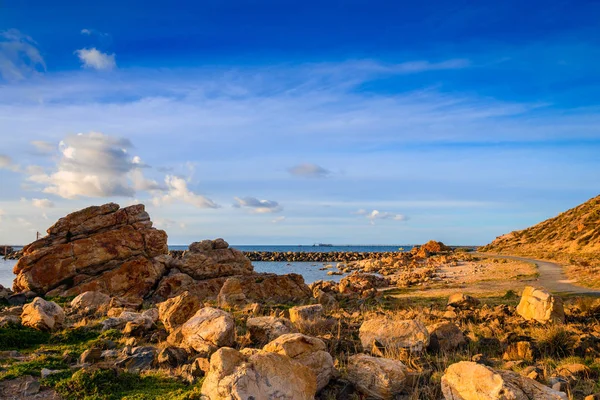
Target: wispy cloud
258,206
178,191
278,220
308,170
44,147
19,56
95,59
374,215
42,203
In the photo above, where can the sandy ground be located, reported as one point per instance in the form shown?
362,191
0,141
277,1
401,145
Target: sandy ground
485,277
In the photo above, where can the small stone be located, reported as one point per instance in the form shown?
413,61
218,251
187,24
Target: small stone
31,388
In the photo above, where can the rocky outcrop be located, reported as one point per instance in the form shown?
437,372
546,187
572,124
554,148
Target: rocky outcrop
308,351
388,335
262,375
541,306
214,259
101,248
376,377
263,288
42,315
468,380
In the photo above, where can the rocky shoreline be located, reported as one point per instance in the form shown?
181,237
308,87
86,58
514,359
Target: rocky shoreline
101,310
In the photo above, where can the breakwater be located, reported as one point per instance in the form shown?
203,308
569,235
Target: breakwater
298,256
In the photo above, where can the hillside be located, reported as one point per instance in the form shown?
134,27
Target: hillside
572,235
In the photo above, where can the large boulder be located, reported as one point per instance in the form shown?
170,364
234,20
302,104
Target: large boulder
380,378
261,375
101,248
213,259
263,288
209,329
391,334
265,329
90,301
541,306
468,380
42,315
308,351
176,311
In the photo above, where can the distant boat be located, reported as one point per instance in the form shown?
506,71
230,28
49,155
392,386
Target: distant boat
322,245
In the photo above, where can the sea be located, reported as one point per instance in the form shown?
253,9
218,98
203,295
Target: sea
309,270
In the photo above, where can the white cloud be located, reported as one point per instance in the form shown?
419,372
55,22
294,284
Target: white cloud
309,171
258,206
92,165
43,147
19,56
278,219
94,58
177,191
42,203
5,161
380,215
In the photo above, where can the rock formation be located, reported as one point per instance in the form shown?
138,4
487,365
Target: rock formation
105,248
116,251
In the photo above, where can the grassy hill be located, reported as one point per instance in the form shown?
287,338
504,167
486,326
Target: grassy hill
572,238
575,232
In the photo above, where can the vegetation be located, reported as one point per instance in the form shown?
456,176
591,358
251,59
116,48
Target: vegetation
110,385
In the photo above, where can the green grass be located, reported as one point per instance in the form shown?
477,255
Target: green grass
110,385
18,337
33,367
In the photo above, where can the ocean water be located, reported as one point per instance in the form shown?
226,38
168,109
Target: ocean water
310,271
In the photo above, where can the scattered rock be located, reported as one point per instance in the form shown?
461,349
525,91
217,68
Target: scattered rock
393,334
91,356
519,351
462,301
300,314
541,306
43,315
171,357
471,381
380,378
141,358
263,375
176,311
265,329
445,336
308,351
89,302
209,329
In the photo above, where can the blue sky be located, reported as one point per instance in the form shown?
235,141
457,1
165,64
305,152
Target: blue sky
270,122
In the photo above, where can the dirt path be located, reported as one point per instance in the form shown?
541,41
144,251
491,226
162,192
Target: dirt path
551,276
